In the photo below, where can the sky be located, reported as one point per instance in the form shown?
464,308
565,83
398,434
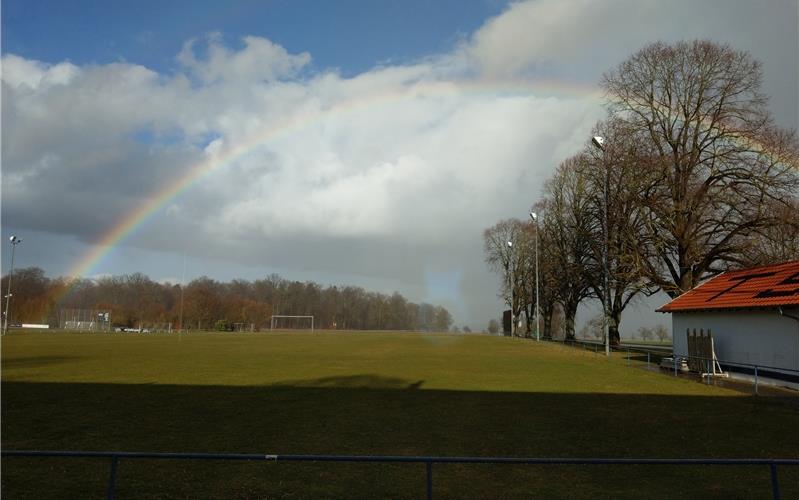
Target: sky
348,142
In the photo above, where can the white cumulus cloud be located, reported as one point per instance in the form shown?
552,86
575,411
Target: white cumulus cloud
402,164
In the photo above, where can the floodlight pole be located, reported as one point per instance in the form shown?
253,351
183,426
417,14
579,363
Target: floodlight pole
599,142
182,286
534,216
510,268
14,242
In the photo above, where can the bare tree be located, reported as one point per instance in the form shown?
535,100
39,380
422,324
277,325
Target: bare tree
511,262
715,159
593,328
135,300
567,227
31,298
526,279
548,271
617,190
645,333
661,332
442,319
775,243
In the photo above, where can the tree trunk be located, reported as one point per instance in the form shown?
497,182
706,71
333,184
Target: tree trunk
517,315
569,312
613,328
547,333
528,312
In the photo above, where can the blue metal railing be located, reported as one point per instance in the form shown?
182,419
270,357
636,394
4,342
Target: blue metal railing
116,456
757,370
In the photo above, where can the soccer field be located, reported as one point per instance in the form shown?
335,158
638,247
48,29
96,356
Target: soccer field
370,393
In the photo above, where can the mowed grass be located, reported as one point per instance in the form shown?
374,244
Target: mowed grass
371,393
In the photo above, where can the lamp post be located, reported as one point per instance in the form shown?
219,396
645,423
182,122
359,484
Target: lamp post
599,142
510,273
182,287
534,216
14,242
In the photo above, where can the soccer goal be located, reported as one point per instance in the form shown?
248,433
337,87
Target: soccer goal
84,320
283,322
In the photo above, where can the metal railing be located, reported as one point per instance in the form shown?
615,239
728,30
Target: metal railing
116,456
658,353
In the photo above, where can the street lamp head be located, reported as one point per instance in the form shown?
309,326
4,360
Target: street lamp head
533,215
14,240
510,244
598,142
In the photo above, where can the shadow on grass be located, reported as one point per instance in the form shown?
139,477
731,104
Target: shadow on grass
354,382
366,414
36,361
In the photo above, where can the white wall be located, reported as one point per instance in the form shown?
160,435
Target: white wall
762,337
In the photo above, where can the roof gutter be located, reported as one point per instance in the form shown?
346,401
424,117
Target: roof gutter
782,313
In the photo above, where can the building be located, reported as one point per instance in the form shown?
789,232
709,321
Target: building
753,315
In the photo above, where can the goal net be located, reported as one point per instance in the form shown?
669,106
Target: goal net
282,322
160,327
84,320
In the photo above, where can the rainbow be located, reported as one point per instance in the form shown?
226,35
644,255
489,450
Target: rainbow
133,220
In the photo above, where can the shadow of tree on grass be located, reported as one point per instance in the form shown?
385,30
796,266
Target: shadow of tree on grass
368,414
36,361
354,382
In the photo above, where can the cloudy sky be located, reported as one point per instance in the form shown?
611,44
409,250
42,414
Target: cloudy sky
347,142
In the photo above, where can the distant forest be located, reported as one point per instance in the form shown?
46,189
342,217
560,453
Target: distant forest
136,301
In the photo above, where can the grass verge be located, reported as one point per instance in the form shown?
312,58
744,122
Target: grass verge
370,393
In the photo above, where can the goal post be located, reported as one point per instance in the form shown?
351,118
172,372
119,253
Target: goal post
287,322
84,320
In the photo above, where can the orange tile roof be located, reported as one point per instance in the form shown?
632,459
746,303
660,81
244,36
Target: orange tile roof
758,287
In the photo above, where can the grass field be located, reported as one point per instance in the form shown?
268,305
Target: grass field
371,393
647,342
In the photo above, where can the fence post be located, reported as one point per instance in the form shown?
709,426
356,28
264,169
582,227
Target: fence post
430,480
647,360
112,479
674,359
755,380
775,483
628,357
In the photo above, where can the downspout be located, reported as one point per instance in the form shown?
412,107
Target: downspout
782,313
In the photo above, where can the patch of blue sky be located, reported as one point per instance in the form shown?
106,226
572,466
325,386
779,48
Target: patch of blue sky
349,35
151,137
204,140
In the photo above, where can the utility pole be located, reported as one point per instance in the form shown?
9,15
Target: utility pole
534,216
14,242
182,286
510,267
600,143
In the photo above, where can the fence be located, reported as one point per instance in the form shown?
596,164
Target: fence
658,353
115,457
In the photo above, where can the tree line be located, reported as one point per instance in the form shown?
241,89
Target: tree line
136,301
687,176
